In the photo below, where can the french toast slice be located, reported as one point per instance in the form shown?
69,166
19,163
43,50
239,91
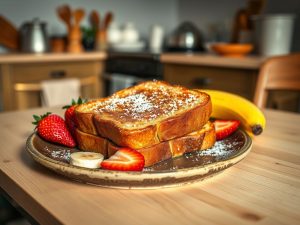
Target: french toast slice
92,143
197,140
146,114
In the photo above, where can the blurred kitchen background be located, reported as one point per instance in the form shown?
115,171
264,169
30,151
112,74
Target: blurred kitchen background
99,47
214,18
45,59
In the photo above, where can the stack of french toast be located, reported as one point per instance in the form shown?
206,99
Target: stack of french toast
159,120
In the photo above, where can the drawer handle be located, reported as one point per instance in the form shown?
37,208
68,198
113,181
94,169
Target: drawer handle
57,74
201,81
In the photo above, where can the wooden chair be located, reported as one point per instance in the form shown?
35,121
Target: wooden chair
277,73
27,95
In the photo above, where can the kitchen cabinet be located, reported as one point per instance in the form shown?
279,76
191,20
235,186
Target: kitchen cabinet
21,76
240,82
236,75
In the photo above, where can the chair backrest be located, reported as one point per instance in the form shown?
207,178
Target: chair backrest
277,73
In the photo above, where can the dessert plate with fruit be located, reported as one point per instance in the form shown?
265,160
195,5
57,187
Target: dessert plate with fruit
152,135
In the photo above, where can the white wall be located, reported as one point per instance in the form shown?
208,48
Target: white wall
143,13
210,16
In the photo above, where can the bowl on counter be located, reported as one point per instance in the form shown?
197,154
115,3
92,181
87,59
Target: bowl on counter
232,50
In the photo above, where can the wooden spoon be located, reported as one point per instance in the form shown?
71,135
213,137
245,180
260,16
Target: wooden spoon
64,13
9,35
95,20
74,38
107,20
78,16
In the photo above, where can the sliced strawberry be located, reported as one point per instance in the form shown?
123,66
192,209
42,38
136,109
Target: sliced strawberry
224,128
52,127
125,159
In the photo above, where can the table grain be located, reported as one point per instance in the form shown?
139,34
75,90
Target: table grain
264,188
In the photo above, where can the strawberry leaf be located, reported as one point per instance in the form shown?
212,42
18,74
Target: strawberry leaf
73,102
80,101
37,118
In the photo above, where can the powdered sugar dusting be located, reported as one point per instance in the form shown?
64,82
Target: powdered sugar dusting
64,155
148,103
221,150
138,102
57,152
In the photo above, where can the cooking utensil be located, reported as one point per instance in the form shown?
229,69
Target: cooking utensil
95,20
242,20
64,13
107,20
78,16
187,37
9,35
101,28
34,37
74,37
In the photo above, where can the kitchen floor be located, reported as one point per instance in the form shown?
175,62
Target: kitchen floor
18,222
10,214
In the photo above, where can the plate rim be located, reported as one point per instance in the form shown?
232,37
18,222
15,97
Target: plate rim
34,152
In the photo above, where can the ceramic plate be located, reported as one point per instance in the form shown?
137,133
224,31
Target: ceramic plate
185,169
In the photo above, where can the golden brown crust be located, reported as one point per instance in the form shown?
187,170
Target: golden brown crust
85,122
123,137
185,123
185,144
198,140
157,153
89,142
93,122
84,116
209,138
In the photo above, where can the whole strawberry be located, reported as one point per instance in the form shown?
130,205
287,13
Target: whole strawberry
52,128
70,117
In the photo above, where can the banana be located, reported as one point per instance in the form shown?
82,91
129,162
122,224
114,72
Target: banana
86,159
230,106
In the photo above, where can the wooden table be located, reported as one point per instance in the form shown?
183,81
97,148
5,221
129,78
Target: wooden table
264,188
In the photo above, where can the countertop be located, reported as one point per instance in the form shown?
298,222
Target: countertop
247,62
50,57
264,188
